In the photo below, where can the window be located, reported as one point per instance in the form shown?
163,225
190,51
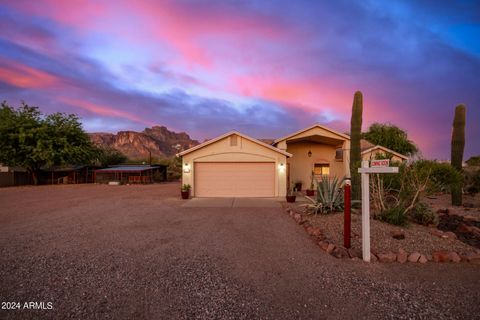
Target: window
339,154
233,140
321,169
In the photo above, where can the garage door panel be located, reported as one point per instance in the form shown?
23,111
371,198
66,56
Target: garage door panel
239,179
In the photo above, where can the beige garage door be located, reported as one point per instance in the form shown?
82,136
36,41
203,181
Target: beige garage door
237,179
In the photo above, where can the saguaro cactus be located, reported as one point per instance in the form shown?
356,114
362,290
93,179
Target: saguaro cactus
355,151
458,145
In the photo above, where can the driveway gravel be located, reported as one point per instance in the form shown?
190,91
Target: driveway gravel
133,252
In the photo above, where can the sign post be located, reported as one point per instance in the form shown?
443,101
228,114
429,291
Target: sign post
378,166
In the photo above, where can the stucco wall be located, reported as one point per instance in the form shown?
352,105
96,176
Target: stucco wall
301,165
244,151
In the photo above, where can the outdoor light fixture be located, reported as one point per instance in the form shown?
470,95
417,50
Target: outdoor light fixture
309,153
187,168
281,166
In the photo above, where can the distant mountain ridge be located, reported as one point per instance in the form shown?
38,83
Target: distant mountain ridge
158,140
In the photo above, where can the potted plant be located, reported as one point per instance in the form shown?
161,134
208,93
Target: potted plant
311,191
298,185
186,191
291,194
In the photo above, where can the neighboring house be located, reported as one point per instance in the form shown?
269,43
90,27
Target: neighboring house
236,165
375,152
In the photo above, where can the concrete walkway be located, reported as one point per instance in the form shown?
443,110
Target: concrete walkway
233,203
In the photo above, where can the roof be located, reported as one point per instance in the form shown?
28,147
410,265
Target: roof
386,150
206,143
127,168
365,144
316,125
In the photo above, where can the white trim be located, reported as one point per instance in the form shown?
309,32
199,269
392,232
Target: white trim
316,125
206,143
386,150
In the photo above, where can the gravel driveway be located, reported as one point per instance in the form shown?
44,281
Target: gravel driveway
132,252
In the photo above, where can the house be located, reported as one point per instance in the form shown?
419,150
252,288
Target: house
236,165
371,152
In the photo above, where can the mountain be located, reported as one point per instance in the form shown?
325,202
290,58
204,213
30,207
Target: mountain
158,140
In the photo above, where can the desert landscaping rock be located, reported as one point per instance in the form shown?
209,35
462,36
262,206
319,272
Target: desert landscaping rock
398,234
402,256
387,257
414,257
330,248
340,253
422,259
446,256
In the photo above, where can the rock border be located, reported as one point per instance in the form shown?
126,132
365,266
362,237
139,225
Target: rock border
401,256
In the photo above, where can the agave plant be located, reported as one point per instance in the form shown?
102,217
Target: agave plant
329,197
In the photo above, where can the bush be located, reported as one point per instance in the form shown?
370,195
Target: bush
395,216
423,214
472,181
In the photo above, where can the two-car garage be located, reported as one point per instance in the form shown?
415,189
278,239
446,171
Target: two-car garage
235,165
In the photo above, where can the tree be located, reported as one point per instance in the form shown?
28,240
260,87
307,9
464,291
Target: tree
355,151
391,137
32,140
473,161
105,156
457,147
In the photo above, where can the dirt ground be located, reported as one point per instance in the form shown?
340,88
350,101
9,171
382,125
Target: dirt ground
132,252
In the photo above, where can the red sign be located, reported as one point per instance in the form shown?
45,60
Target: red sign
380,163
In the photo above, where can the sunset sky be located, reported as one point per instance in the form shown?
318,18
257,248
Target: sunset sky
265,68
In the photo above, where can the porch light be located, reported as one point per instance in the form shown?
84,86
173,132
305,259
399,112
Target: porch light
186,168
309,153
281,166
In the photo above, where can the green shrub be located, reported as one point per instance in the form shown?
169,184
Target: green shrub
329,197
395,216
472,181
423,214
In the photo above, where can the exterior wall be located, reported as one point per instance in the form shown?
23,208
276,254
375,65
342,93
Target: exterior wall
372,154
244,151
301,165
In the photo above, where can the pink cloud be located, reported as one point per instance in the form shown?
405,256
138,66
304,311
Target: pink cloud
22,76
105,110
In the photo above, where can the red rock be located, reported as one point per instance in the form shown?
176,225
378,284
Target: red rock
454,257
316,232
398,234
450,235
402,256
354,253
436,232
330,248
297,217
414,257
387,257
441,256
471,218
323,245
473,258
340,253
422,259
463,228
